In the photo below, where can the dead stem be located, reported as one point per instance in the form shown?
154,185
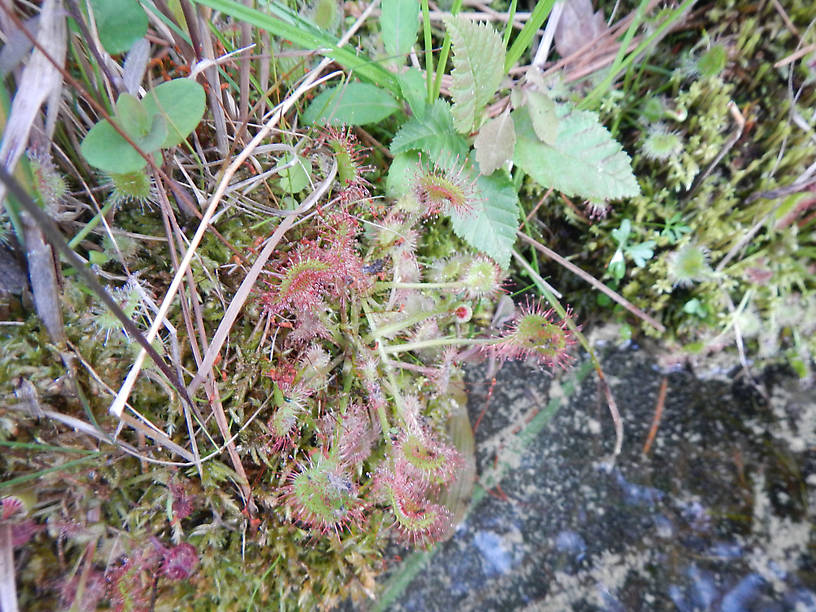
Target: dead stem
592,281
658,413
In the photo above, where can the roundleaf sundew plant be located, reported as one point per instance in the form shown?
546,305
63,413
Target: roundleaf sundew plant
244,259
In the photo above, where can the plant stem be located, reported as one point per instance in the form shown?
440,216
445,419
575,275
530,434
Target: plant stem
401,285
425,344
55,468
508,28
348,380
392,328
91,224
525,37
287,24
429,63
446,45
562,312
594,96
413,367
591,280
392,383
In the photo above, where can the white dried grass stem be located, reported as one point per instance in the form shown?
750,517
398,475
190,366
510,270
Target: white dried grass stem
8,590
281,109
549,32
309,82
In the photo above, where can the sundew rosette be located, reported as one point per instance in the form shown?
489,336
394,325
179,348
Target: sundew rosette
322,495
536,333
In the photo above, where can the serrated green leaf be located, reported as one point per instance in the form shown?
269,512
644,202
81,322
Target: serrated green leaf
491,228
478,67
585,160
495,143
433,134
399,22
120,23
543,116
350,104
182,103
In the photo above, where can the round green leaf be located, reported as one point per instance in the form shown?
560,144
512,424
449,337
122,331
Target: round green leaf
105,149
156,135
350,104
401,174
132,116
294,178
182,103
399,26
120,23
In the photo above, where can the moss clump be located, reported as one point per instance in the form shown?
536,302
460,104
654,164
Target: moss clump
728,241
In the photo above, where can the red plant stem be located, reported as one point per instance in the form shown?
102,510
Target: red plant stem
592,281
535,208
658,413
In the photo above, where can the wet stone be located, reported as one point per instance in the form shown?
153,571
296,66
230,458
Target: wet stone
718,515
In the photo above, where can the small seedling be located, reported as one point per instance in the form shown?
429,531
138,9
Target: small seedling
639,253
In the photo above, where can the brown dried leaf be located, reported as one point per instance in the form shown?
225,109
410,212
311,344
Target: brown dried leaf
495,143
578,25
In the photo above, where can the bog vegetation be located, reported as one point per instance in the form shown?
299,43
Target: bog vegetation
247,247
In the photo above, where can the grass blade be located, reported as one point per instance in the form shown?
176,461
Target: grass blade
525,37
290,26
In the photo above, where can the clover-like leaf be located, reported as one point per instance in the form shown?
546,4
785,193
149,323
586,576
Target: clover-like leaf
642,252
182,103
107,150
621,234
132,115
164,118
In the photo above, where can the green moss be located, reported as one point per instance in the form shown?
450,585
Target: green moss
772,266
